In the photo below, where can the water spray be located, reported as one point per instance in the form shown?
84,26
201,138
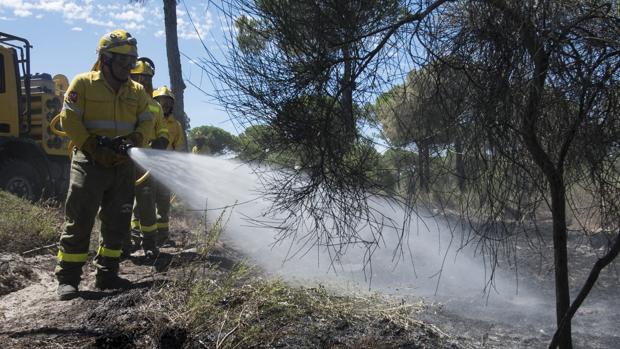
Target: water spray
236,187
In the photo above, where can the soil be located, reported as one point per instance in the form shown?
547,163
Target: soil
31,317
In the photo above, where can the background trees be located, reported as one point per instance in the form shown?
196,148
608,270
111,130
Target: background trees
217,140
508,107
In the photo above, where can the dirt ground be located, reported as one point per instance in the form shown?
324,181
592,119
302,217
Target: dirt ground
31,317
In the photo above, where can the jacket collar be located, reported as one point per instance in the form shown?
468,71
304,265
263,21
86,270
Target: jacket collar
97,75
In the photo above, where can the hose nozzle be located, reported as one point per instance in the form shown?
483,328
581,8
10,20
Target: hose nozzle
119,145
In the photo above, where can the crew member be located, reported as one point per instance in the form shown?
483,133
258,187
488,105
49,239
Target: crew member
99,106
165,97
201,147
144,220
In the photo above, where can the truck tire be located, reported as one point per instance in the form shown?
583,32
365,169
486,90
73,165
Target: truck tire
21,179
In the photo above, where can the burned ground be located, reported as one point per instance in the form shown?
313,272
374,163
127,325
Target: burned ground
204,295
166,308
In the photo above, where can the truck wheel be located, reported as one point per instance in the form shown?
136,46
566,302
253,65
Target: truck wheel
20,178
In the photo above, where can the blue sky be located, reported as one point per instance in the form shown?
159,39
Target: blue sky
64,36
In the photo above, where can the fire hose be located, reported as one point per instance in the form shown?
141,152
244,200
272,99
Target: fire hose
118,144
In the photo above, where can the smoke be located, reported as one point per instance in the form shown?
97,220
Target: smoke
429,264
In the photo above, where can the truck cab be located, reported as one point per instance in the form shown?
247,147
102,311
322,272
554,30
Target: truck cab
34,162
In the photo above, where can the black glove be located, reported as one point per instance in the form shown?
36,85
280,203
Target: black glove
104,156
120,145
135,138
159,143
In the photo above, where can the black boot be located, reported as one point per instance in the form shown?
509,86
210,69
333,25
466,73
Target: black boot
66,291
111,282
151,254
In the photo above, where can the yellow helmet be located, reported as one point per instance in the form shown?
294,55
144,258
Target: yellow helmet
144,66
163,91
118,41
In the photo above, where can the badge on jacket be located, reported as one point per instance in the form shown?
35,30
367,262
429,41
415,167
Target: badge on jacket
72,97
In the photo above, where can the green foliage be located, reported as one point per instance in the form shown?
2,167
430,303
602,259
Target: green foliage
217,140
254,143
250,36
398,169
24,226
424,108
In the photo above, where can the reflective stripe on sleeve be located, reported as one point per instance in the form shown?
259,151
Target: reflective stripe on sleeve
135,224
109,124
108,252
72,257
148,228
162,225
145,116
73,108
153,108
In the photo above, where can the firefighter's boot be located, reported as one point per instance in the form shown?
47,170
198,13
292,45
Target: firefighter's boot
163,239
66,291
150,255
105,281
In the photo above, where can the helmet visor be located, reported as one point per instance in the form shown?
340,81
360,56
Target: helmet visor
125,60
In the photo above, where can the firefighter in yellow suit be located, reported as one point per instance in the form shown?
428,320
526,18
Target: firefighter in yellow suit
99,106
201,147
144,220
165,97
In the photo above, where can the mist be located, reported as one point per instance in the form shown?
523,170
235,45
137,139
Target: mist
431,263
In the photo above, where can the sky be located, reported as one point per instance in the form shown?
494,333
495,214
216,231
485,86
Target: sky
64,36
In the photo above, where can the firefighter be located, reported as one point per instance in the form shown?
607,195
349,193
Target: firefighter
165,97
144,220
99,106
200,148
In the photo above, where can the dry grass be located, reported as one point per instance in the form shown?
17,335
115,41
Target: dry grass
237,307
244,310
25,226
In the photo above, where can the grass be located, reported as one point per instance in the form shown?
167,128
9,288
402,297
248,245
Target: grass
242,310
25,226
238,307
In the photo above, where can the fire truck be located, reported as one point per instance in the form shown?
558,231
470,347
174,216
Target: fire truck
34,161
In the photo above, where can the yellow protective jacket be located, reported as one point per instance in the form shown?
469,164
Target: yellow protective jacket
177,139
91,107
204,150
160,129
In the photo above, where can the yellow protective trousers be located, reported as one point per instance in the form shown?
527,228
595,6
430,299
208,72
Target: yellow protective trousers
162,199
94,189
145,212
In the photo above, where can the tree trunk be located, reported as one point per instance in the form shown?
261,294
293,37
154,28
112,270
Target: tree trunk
609,257
459,164
562,289
174,61
423,166
348,84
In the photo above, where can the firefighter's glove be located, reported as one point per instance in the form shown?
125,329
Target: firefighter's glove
135,138
159,143
104,156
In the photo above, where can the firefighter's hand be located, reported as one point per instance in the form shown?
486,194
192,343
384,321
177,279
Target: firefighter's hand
90,145
103,156
135,138
159,143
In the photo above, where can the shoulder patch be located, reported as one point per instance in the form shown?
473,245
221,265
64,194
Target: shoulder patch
72,96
